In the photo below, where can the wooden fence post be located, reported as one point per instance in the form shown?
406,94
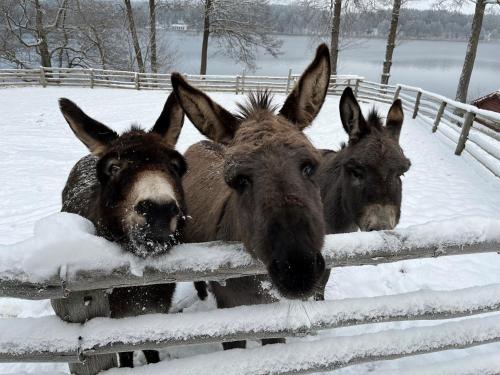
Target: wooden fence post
79,307
243,82
287,90
136,81
417,103
438,116
396,93
91,73
468,119
356,87
237,85
43,80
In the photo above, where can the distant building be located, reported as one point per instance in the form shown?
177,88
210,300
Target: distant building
490,102
179,26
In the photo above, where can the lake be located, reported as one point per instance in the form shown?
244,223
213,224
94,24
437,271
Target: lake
431,65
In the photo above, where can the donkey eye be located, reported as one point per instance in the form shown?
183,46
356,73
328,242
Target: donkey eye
240,183
113,169
308,169
356,172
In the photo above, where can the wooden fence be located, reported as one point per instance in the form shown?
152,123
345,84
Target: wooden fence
94,336
467,127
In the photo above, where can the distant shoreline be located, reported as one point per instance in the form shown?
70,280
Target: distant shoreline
493,41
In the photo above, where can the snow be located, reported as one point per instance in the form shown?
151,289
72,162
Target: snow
65,245
38,149
257,321
468,107
334,352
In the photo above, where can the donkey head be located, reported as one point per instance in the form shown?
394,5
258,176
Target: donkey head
372,165
140,201
269,164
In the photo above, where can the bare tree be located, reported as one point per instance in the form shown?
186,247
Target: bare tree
133,34
100,26
25,21
391,42
152,35
335,20
470,55
239,28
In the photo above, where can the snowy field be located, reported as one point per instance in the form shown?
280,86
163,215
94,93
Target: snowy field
37,151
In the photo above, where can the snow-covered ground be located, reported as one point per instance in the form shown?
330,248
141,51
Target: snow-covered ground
37,150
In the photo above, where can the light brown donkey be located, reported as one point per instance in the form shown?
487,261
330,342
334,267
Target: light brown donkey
253,183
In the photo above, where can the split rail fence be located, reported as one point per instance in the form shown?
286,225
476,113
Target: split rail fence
90,341
467,127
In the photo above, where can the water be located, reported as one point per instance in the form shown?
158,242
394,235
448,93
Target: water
431,65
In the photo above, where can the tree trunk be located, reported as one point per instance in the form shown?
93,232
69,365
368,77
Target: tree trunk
206,34
335,32
391,42
135,39
152,35
43,46
470,55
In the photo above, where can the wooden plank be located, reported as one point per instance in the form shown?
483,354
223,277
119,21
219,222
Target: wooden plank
283,319
338,352
417,103
79,307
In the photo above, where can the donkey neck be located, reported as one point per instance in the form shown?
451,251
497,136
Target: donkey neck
338,218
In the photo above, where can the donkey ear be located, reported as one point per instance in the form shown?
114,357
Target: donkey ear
169,124
210,119
351,116
92,133
395,118
308,95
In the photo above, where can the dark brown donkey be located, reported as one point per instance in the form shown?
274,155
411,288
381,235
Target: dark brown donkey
361,184
130,188
254,184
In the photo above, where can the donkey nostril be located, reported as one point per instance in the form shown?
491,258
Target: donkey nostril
172,209
144,207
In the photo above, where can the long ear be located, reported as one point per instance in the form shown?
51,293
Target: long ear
308,95
351,116
92,133
395,118
210,119
169,124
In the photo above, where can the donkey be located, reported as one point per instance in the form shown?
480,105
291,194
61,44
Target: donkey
130,188
361,184
254,183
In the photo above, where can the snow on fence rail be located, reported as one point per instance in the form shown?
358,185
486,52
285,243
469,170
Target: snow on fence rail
457,121
65,259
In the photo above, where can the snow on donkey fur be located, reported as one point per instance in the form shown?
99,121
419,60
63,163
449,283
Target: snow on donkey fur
446,199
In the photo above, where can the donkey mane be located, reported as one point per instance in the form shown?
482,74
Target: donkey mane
374,119
255,102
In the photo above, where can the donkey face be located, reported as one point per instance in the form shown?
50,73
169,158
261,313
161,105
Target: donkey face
372,165
269,164
140,202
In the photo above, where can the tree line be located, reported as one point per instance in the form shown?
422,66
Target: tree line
120,34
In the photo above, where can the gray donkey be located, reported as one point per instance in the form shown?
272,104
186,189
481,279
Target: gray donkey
361,184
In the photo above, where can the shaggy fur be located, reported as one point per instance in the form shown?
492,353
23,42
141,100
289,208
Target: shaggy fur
361,183
254,184
101,188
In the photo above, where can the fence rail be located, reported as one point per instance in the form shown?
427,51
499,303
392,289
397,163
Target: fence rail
467,127
49,339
